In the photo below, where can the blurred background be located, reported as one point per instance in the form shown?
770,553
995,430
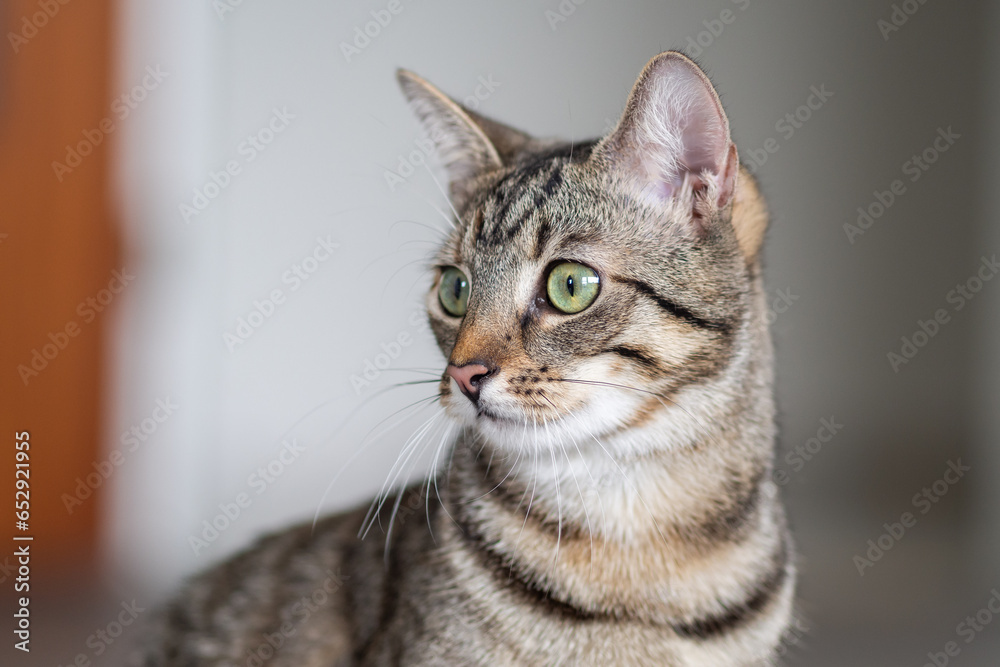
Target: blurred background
214,217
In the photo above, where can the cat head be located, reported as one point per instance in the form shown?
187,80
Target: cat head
584,287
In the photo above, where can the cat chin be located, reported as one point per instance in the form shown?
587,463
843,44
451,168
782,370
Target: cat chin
595,426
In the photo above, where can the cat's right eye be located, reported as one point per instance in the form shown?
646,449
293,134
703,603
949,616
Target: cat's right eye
572,287
453,292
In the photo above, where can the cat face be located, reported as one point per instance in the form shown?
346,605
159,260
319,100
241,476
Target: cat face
584,286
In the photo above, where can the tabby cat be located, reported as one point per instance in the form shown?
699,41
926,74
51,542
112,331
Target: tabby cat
607,498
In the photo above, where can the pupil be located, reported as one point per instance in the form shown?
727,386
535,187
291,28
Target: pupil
458,288
569,285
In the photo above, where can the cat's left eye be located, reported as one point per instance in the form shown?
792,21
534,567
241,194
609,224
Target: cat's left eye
453,292
572,287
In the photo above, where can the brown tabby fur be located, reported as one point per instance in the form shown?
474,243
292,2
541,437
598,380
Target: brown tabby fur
608,499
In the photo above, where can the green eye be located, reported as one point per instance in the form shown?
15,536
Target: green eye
572,287
454,292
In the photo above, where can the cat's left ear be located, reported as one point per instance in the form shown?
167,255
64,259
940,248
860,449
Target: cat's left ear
467,144
672,141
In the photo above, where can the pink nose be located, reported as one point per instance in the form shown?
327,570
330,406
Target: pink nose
469,377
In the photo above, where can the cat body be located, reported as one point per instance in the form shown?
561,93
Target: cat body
608,498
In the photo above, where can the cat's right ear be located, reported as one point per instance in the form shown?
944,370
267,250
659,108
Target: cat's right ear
460,137
672,142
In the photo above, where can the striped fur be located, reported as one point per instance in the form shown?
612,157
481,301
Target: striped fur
608,499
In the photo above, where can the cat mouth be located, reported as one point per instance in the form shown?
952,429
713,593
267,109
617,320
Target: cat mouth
518,420
486,413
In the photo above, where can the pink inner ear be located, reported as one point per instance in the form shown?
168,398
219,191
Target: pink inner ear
704,140
674,129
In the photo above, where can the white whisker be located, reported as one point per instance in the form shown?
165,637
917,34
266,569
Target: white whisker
447,198
404,456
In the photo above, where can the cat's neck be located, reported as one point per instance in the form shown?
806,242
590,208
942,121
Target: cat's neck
623,536
627,488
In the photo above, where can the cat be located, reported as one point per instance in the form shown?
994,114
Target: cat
608,497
